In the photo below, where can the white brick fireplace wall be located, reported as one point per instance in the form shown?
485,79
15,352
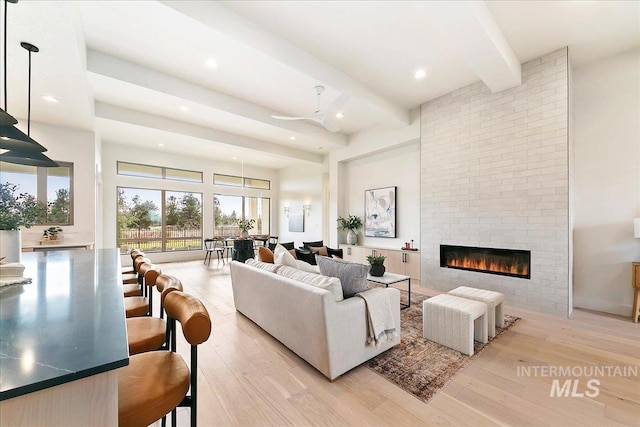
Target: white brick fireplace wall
495,173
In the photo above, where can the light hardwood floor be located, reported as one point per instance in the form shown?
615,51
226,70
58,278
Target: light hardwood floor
247,378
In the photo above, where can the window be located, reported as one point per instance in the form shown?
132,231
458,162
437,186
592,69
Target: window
52,187
236,181
229,209
159,220
146,171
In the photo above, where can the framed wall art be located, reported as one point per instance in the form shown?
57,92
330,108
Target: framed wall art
296,220
380,212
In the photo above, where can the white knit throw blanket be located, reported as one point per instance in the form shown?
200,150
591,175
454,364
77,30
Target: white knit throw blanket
380,324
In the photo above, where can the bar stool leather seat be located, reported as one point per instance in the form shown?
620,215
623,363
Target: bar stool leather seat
150,333
132,290
136,306
140,402
145,334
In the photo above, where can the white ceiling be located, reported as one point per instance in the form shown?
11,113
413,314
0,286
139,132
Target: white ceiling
124,69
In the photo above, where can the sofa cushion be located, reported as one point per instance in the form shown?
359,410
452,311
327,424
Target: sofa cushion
282,256
353,276
270,267
305,255
265,254
305,266
321,250
293,253
316,244
332,284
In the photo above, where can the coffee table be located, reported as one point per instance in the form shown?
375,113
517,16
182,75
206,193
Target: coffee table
390,279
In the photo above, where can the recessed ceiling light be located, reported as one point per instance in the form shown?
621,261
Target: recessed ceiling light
340,115
234,158
184,108
50,98
211,63
420,74
319,148
161,145
293,138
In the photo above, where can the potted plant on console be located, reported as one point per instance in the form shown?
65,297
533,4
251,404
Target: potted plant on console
351,223
245,225
377,265
52,233
16,210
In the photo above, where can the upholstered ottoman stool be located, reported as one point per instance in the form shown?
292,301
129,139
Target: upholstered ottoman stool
454,322
492,299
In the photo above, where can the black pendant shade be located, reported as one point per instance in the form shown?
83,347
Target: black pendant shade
12,138
6,119
29,158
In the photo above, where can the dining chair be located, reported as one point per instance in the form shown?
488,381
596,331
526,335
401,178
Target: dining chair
213,245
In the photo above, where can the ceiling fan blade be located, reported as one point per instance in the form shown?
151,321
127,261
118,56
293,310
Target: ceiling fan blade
291,118
336,104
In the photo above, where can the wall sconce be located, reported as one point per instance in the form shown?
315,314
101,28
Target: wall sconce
286,211
306,209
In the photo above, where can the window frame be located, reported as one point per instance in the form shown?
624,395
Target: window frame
243,204
243,181
42,189
163,172
163,222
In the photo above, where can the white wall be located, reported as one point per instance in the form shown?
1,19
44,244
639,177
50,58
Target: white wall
78,147
111,153
607,182
399,167
301,185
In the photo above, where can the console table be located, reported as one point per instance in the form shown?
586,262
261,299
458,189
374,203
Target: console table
62,337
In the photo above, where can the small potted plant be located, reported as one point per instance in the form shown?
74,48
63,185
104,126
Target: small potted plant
16,210
351,223
377,265
245,225
52,233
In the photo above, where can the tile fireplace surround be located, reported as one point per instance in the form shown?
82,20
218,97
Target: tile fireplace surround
496,172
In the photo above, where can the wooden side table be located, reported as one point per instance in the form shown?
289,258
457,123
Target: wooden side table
635,281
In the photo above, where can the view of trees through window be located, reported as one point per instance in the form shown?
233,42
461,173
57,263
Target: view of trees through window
159,220
227,210
52,187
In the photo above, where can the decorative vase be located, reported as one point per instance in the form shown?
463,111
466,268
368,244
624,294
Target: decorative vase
352,237
377,270
10,245
244,234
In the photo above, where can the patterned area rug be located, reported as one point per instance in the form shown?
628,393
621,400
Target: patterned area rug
420,366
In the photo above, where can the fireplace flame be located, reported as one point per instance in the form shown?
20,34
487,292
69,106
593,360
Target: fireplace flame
486,264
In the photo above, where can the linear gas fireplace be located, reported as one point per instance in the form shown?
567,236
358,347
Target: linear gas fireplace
506,262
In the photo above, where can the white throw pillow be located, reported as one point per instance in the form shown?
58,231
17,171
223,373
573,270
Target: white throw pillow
282,256
305,266
331,284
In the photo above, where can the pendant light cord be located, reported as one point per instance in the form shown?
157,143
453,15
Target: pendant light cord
29,100
5,54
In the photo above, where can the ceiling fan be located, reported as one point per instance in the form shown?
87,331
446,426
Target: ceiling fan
320,116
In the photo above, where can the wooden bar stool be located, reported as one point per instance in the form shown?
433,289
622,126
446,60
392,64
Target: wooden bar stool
156,383
143,306
151,333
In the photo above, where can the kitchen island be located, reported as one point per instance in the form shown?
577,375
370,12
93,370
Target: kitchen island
62,337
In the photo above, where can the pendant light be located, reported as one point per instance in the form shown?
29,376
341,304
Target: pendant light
6,119
21,156
12,138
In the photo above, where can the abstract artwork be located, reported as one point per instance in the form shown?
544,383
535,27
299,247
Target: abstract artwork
380,212
296,220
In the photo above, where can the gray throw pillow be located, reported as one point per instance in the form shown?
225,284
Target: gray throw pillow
353,276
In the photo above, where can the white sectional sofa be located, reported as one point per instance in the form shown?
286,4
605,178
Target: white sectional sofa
330,335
